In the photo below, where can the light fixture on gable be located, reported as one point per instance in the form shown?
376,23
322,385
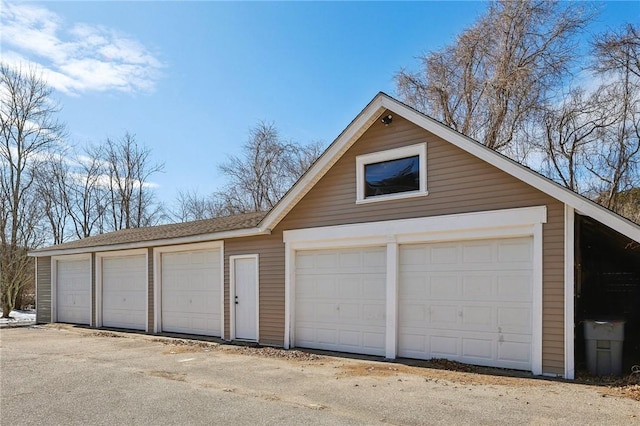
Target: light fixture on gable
387,119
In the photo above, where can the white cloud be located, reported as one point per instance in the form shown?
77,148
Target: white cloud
75,57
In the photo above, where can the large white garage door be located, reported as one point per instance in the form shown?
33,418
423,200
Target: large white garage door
191,292
340,300
124,292
73,291
467,301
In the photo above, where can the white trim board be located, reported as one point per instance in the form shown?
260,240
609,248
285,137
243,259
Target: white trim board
569,292
458,227
455,226
157,277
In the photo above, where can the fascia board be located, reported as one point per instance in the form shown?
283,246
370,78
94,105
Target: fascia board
515,169
346,139
155,243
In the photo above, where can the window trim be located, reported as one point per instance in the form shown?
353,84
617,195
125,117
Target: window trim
389,155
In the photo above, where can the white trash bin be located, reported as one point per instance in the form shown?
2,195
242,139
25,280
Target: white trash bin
604,346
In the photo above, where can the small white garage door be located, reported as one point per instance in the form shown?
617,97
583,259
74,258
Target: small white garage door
467,301
124,292
191,292
340,300
73,291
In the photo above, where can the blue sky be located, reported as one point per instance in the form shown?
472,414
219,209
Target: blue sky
190,78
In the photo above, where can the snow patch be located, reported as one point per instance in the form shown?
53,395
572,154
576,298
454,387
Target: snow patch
19,317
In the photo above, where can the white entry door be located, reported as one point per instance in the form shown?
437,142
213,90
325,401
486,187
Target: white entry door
245,297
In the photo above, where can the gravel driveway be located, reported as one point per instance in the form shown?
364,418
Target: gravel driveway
65,375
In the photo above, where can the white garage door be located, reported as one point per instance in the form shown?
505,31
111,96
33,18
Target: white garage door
124,292
467,301
73,291
340,300
191,292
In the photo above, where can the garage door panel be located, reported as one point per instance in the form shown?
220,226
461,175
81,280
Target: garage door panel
340,300
444,287
518,252
477,253
73,291
124,292
515,319
191,292
467,301
443,346
512,287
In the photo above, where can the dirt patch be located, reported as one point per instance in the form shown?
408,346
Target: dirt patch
627,386
359,370
180,346
104,334
455,372
269,352
168,375
185,345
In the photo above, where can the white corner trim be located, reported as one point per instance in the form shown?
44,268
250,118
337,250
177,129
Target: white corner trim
569,291
99,283
289,280
362,161
537,309
54,284
232,293
157,277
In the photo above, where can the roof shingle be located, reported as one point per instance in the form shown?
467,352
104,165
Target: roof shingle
161,232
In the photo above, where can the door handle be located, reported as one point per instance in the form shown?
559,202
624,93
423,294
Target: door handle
236,300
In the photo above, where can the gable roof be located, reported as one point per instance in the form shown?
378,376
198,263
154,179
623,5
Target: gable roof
262,223
175,233
382,102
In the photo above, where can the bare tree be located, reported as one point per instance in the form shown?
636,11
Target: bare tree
500,71
568,136
87,193
52,186
616,161
257,179
131,201
29,130
193,206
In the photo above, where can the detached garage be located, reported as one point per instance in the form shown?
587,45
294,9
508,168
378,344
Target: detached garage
404,239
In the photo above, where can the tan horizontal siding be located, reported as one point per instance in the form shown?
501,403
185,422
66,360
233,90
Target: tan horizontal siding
43,290
457,182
